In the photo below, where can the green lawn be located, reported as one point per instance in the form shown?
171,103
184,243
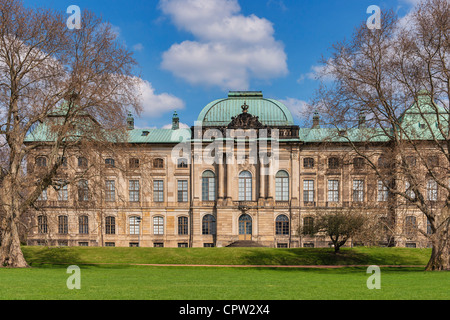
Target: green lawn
47,277
188,283
228,256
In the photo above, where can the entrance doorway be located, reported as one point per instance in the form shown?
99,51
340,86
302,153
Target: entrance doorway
245,228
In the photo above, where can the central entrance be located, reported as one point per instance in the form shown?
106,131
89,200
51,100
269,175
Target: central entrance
245,228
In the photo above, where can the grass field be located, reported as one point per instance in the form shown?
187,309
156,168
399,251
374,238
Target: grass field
47,277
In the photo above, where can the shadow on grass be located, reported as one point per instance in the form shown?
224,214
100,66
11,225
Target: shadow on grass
51,256
327,257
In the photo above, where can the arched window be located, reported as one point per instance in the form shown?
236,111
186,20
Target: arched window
282,225
282,186
245,186
110,224
41,162
208,186
83,223
158,225
183,226
135,223
209,225
158,163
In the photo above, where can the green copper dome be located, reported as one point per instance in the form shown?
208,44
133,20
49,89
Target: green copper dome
270,112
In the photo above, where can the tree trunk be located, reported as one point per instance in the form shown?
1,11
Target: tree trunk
11,254
440,256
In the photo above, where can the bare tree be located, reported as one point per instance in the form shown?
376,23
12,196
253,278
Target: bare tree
65,90
398,79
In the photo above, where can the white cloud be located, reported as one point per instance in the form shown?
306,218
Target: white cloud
298,108
138,47
155,105
230,49
318,72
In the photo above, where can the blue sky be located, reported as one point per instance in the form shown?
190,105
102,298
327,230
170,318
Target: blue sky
192,52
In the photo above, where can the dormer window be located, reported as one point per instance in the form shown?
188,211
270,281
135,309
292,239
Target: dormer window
145,133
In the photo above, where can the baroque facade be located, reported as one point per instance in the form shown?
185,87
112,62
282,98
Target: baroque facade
161,188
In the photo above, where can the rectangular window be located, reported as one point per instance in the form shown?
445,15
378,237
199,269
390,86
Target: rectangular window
432,190
42,224
333,190
110,244
409,192
83,224
183,226
133,189
63,225
110,194
63,194
158,226
182,190
83,244
308,190
383,192
358,190
135,223
110,224
158,191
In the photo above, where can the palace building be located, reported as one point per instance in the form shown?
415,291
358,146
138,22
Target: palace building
245,174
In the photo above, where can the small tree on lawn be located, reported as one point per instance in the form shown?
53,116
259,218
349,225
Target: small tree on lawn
339,225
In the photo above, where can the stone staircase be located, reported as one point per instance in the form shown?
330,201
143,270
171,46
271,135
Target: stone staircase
245,244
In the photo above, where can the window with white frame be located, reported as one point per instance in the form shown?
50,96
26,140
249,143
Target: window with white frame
432,190
158,191
110,192
358,191
333,190
408,189
182,191
133,189
208,186
308,190
282,186
63,194
245,186
135,223
158,226
383,192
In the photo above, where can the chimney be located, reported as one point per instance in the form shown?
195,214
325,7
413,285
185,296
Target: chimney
362,122
175,121
316,120
130,121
